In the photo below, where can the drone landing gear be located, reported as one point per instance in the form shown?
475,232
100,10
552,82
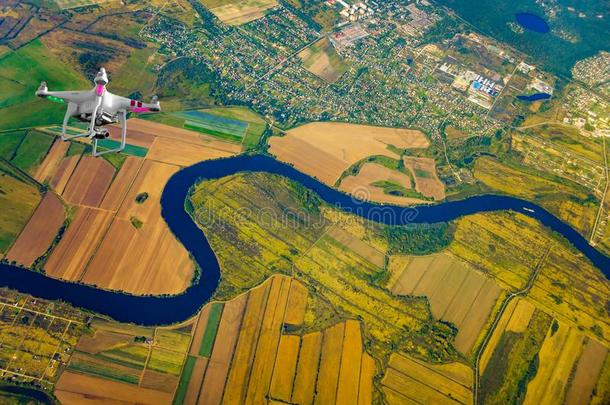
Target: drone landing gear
102,133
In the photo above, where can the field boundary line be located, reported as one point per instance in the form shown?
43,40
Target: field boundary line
601,205
490,331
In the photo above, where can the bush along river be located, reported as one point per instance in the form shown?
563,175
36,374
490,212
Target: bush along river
155,310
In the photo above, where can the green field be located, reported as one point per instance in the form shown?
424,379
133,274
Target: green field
18,199
24,149
31,151
234,124
165,361
88,364
185,377
21,72
207,342
9,142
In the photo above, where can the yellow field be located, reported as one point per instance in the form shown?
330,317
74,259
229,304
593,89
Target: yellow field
307,369
297,302
326,149
557,356
351,358
71,256
235,12
521,316
456,292
330,363
355,244
545,191
426,383
51,162
285,368
182,153
496,335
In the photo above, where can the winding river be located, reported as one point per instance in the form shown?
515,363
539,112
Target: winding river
148,310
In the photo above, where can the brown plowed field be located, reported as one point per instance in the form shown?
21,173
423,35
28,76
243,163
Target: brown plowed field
73,388
426,179
89,182
145,260
134,137
326,149
166,131
121,184
63,173
51,162
587,373
372,172
71,255
39,232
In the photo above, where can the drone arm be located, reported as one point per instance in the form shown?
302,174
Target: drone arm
98,103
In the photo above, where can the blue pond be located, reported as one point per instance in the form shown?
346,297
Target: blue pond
534,97
148,310
532,22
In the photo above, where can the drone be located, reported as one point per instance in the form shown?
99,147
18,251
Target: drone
98,107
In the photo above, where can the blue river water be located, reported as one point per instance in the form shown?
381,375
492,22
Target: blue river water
156,310
532,22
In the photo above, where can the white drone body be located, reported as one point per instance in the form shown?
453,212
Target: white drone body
98,107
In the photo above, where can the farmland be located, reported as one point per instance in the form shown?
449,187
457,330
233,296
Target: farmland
234,124
338,267
457,293
379,183
139,258
510,246
322,60
326,149
39,233
234,12
116,362
36,62
19,198
427,182
579,209
408,380
251,357
87,189
102,201
534,358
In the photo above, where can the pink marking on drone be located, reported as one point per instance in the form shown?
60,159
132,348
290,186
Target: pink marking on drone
99,90
140,109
